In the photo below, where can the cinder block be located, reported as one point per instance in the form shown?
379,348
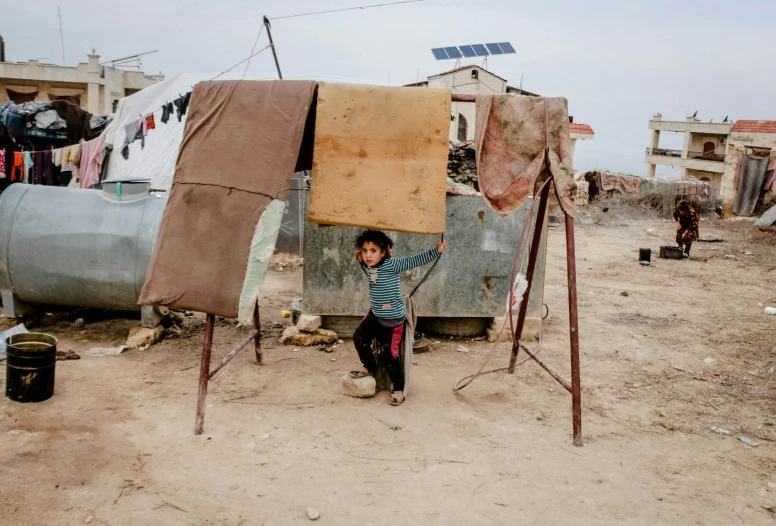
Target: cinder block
308,323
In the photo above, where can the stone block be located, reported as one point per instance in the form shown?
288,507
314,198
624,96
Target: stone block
359,387
308,323
497,322
293,336
142,336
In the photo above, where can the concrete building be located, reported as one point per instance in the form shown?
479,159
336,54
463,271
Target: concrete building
472,80
710,151
96,88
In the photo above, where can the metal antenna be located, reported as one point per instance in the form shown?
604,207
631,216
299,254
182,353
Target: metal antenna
272,45
61,35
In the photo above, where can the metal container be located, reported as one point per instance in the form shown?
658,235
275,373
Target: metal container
30,367
470,281
669,252
645,256
73,247
291,235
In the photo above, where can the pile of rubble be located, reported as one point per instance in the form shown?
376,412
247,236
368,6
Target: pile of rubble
462,163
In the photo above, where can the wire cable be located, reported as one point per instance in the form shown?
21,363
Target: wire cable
253,49
346,9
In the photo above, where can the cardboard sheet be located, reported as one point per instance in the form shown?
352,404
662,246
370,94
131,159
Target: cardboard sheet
380,158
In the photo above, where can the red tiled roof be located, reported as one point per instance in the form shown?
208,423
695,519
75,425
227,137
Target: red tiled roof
754,126
466,67
575,127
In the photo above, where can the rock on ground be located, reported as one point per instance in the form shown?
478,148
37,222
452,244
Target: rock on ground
308,323
293,336
359,387
141,336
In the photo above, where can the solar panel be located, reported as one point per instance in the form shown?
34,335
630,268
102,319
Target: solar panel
480,50
494,49
506,47
439,53
453,52
467,51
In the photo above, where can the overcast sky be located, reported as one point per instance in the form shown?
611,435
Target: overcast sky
617,62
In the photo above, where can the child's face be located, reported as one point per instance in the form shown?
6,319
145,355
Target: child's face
371,254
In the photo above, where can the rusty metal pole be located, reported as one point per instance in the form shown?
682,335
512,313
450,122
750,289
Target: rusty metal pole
257,339
204,370
532,256
576,391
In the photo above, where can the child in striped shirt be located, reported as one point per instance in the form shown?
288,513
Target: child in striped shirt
385,319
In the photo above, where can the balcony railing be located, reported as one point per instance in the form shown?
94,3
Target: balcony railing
663,151
707,156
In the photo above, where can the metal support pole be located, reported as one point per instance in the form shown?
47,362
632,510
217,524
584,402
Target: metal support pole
257,338
562,381
533,254
204,367
272,45
232,354
576,392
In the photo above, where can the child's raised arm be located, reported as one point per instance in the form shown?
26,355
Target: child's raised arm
424,258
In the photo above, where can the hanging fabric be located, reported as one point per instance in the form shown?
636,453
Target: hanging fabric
91,161
521,140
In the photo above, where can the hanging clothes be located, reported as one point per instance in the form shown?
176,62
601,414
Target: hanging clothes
56,156
44,168
521,140
2,165
166,112
17,170
132,132
70,154
91,161
150,124
78,120
182,105
28,167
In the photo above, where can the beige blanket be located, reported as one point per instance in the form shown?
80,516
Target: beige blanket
380,157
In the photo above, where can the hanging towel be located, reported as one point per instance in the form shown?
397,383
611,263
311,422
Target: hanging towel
28,165
511,135
380,157
240,147
56,157
91,161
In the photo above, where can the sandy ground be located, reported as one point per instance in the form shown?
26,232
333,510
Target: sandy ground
115,443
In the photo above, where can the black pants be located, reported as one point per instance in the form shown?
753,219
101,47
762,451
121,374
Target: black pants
686,248
389,340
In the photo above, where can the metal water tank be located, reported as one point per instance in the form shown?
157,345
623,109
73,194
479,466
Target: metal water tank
73,247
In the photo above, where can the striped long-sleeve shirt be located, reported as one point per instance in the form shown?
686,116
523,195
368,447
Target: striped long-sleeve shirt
384,285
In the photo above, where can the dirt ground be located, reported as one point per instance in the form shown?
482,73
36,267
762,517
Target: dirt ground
667,350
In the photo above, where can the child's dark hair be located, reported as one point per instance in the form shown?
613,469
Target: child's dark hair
683,205
378,238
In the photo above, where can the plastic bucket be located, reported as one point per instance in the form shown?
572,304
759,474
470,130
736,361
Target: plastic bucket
30,367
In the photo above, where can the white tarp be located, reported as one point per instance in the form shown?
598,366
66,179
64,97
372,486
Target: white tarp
156,161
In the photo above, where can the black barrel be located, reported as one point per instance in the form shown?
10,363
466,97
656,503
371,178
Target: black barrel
645,256
30,366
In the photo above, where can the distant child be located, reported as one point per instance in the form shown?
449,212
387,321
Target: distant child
385,319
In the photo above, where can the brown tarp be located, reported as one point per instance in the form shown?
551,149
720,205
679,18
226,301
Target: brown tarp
240,148
511,132
381,157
